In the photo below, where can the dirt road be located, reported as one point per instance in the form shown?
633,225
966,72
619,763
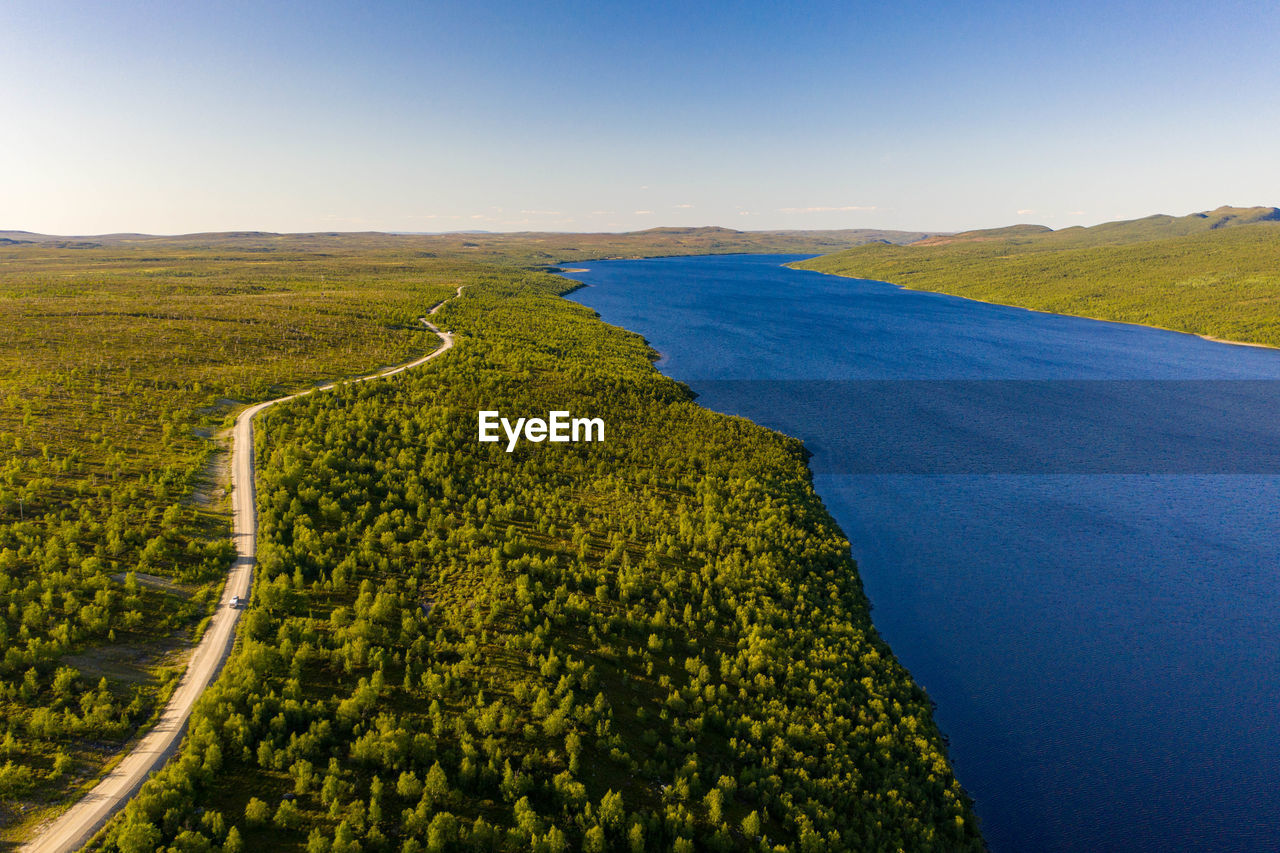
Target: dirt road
73,829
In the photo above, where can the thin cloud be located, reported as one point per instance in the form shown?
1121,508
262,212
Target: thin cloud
1025,211
844,209
644,213
682,206
1076,213
541,213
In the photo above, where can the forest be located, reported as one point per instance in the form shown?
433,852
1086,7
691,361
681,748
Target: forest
119,372
657,642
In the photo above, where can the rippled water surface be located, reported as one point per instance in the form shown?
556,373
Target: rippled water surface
1068,530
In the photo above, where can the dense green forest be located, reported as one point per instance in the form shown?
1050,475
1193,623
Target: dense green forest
658,642
121,366
1214,273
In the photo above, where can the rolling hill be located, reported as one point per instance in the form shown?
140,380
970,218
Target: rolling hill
1214,273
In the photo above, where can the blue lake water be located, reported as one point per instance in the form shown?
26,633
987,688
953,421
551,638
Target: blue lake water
1067,529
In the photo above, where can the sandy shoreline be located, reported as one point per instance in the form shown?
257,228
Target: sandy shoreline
1221,340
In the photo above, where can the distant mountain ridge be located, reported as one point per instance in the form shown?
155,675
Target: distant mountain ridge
1147,228
528,248
885,234
1156,227
981,234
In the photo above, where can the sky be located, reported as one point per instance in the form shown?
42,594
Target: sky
178,117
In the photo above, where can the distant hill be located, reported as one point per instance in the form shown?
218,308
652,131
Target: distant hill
17,237
1162,226
985,234
1157,227
528,248
1214,273
26,238
708,230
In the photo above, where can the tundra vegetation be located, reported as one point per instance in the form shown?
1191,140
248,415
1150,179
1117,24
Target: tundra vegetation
1215,273
658,642
654,642
117,372
121,363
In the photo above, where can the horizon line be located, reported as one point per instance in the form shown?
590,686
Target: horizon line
496,232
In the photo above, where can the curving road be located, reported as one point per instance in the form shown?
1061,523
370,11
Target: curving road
73,829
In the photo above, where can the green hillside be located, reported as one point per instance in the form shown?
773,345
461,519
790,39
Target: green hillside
1214,274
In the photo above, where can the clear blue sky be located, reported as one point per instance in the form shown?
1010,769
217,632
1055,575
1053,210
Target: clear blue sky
173,117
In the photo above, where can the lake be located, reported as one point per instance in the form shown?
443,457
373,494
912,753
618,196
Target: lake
1067,529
